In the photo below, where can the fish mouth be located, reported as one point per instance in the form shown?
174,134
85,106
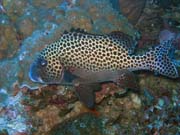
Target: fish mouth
33,76
35,79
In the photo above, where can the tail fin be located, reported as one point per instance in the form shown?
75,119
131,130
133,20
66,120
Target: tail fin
162,63
158,60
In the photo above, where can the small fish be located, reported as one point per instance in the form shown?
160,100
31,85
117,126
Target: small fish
86,60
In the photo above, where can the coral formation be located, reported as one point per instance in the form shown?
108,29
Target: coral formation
8,41
13,118
28,26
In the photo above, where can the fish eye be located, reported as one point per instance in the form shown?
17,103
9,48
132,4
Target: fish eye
43,62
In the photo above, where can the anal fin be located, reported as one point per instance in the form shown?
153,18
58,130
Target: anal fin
124,40
127,80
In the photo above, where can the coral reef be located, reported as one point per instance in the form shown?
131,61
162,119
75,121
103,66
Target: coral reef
13,118
161,115
8,40
156,17
28,26
89,124
56,105
132,10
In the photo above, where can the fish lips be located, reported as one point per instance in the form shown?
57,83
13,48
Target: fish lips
33,74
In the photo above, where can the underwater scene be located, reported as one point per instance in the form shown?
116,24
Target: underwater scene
89,67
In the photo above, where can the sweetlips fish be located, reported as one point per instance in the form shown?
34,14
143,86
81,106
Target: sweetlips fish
86,60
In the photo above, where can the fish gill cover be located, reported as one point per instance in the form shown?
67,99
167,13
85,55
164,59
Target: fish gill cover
26,27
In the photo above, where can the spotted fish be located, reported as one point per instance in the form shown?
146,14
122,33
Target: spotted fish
86,60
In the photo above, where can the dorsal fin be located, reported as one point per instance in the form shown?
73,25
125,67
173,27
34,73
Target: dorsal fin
74,31
79,30
125,40
65,32
120,35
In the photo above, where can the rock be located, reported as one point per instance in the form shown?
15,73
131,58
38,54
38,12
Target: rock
8,40
46,3
132,9
83,124
50,117
136,100
15,8
79,19
26,26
